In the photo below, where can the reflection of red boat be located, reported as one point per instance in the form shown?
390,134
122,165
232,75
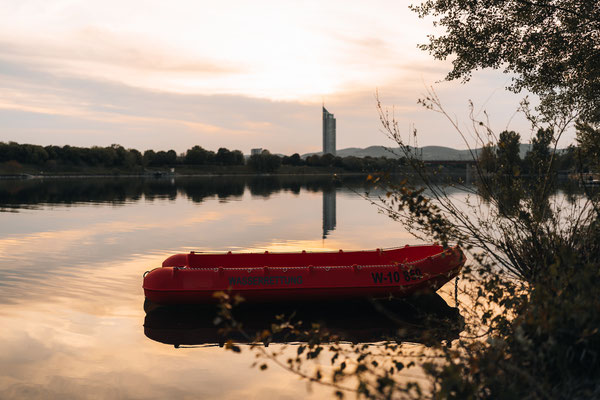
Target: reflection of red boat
195,277
419,319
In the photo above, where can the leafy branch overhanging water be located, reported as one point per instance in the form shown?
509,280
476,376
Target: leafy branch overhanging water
527,296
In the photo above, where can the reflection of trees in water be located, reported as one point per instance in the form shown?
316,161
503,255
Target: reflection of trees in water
199,189
116,191
17,193
265,185
69,191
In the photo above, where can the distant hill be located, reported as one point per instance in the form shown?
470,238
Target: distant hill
427,152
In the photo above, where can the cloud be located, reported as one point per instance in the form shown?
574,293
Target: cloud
149,75
35,99
101,48
39,104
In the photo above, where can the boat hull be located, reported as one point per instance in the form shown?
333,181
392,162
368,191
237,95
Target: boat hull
195,278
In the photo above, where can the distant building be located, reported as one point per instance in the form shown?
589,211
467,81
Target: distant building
256,151
328,132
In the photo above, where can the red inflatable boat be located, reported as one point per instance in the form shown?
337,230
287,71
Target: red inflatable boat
195,277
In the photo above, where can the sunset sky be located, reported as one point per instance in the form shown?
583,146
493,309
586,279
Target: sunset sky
236,74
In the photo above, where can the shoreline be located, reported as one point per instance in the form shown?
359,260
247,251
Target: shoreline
175,175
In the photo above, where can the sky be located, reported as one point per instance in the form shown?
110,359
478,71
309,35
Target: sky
162,75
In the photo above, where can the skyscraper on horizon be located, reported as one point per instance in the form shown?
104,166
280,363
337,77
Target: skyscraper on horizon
328,132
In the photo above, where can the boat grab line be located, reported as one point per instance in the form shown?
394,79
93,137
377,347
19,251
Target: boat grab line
284,269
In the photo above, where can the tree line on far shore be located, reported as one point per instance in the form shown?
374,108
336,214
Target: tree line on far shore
51,158
504,156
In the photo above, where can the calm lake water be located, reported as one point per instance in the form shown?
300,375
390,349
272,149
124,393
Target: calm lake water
72,255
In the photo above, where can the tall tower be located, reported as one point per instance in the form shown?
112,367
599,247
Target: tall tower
328,132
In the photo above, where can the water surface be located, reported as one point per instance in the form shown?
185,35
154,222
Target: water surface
72,255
